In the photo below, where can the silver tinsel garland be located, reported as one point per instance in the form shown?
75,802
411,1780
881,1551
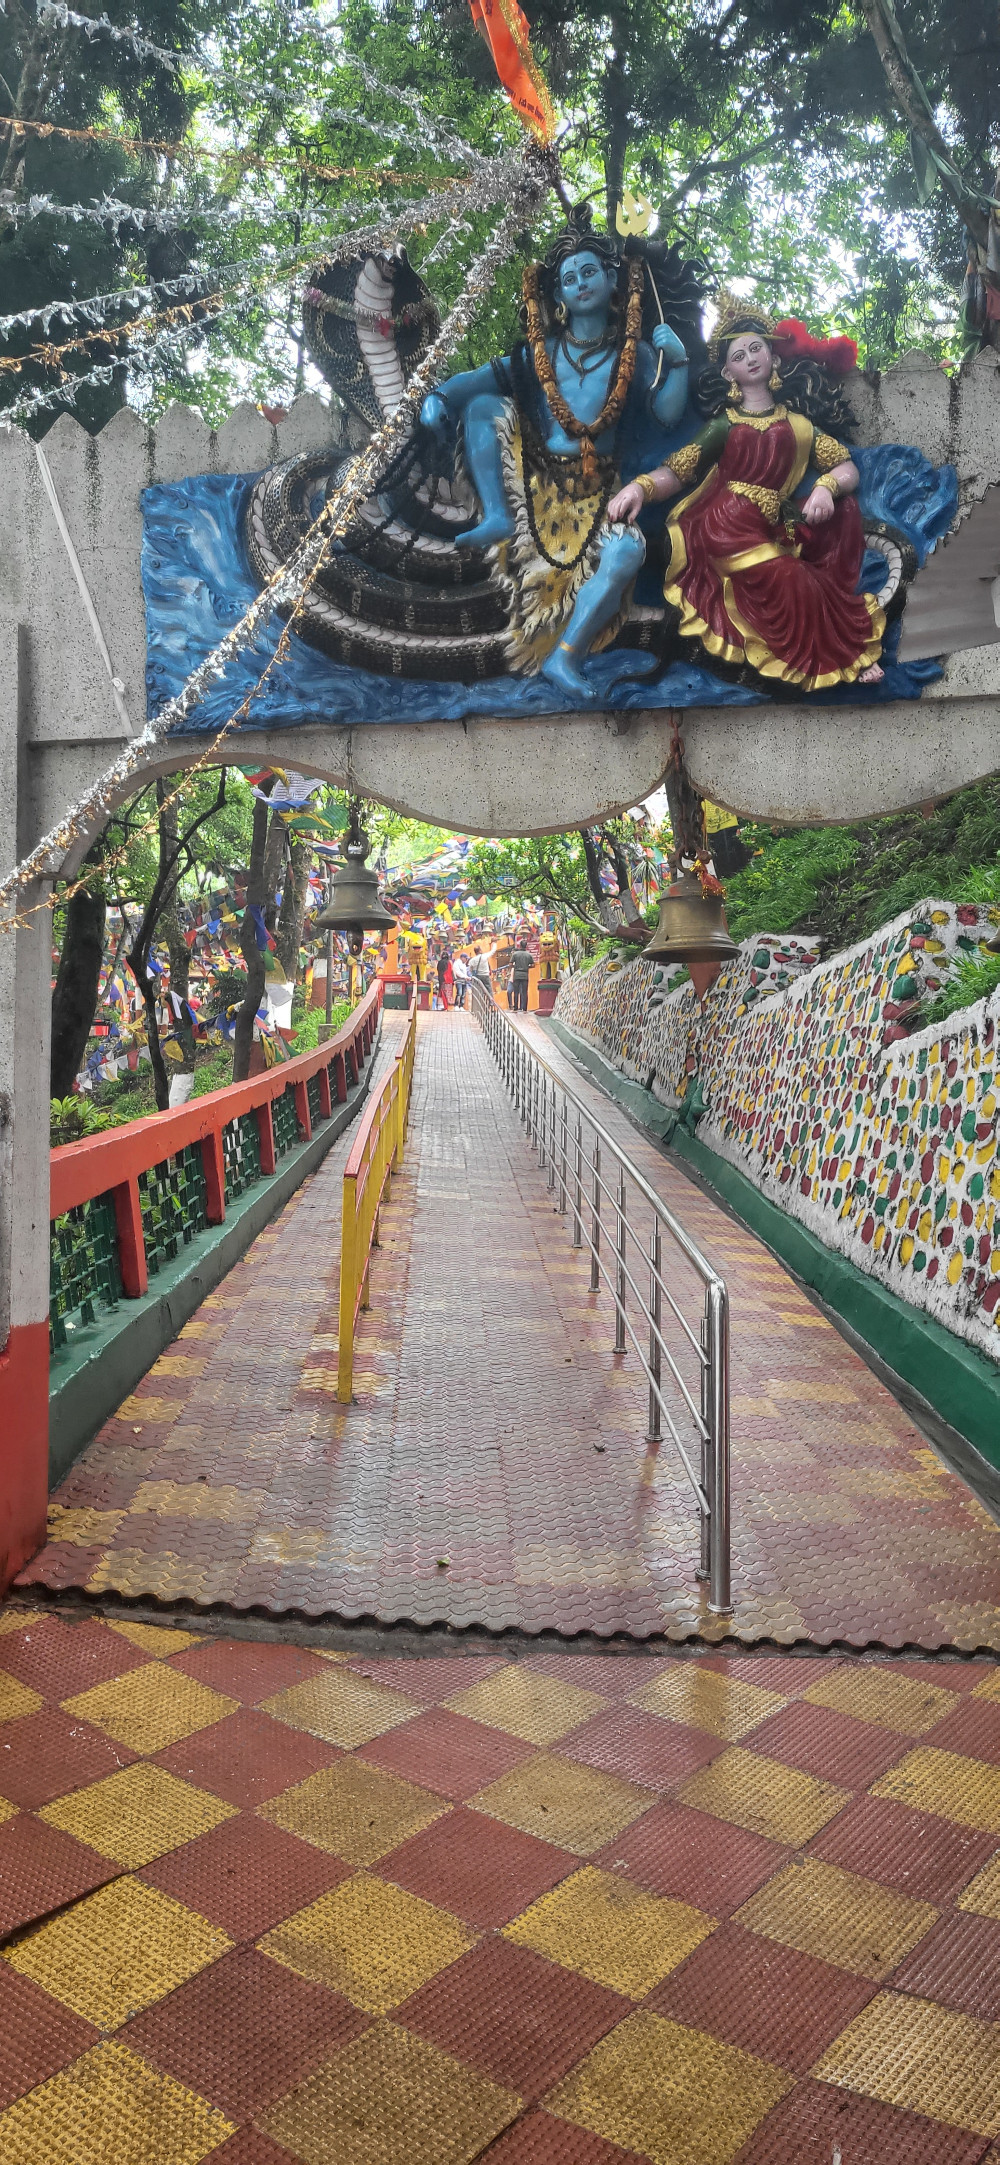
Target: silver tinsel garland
495,183
288,585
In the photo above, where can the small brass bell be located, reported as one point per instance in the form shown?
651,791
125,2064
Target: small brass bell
354,907
692,926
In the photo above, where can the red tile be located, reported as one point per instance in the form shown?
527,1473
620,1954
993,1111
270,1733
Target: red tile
520,2020
41,1869
445,1752
247,1669
483,1872
614,1676
640,1747
973,1728
833,1746
59,1659
429,1678
958,1964
804,2128
915,1852
38,2035
246,1875
693,1858
47,1754
540,2139
247,1758
770,2000
243,2032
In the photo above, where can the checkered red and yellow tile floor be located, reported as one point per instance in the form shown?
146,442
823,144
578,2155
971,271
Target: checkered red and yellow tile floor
270,1905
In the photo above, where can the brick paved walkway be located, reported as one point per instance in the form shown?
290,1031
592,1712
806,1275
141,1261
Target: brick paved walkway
489,1472
265,1906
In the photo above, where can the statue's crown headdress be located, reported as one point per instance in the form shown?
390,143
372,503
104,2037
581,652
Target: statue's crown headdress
735,316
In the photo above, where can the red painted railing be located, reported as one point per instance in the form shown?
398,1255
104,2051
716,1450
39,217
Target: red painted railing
109,1166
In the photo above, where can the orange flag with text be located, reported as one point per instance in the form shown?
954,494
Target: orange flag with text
506,32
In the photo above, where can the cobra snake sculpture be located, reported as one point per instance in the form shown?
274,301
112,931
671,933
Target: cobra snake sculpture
396,596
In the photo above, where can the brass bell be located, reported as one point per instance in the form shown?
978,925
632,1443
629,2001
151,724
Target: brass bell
354,907
692,926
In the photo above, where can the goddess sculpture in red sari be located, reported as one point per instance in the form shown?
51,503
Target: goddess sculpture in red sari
765,580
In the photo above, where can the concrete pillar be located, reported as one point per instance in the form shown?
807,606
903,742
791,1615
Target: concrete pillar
25,1013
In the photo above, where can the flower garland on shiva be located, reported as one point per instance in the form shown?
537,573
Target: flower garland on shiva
764,579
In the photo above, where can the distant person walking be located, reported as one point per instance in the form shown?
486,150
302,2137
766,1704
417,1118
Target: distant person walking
520,969
446,978
461,969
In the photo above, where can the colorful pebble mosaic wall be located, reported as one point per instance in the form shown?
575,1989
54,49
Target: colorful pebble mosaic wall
882,1139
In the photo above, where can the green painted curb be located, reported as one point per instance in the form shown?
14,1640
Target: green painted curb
958,1381
89,1378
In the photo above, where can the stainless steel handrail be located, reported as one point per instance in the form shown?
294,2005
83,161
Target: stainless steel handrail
576,1151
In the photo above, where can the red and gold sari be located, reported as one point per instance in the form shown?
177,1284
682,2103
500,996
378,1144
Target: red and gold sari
752,582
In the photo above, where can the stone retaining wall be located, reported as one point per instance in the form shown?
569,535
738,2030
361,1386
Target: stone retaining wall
882,1142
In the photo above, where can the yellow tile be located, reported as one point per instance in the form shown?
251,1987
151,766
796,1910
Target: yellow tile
611,1931
116,1951
197,1500
674,2095
766,1798
838,1917
391,2099
922,2058
155,1639
137,1814
344,1709
16,1699
110,2106
187,1365
354,1811
15,1619
571,1805
811,1394
988,1689
872,1692
369,1940
83,1529
139,1410
536,1708
956,1788
982,1895
7,1811
151,1707
702,1699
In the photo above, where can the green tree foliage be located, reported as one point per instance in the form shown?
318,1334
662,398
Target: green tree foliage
59,76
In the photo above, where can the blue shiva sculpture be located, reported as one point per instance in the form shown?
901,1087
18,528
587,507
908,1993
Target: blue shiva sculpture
542,433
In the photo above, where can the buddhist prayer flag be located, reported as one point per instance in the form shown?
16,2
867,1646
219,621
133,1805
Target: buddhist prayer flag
506,32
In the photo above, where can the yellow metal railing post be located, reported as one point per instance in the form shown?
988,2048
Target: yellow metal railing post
377,1153
348,1291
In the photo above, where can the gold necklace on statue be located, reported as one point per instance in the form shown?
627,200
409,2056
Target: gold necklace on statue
758,420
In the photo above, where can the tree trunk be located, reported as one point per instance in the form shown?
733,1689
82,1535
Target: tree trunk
74,1000
616,106
180,973
291,916
256,894
906,91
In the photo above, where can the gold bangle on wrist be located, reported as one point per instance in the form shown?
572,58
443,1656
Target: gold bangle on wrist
647,483
829,481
